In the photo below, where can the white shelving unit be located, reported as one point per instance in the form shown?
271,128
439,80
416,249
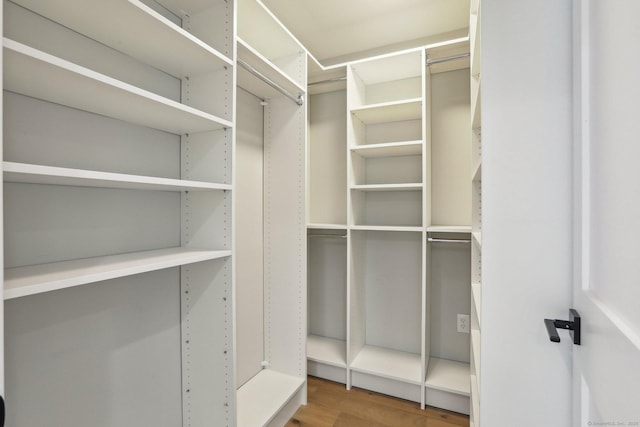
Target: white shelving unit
476,209
271,307
405,185
117,171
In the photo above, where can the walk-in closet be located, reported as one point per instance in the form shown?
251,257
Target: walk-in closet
216,211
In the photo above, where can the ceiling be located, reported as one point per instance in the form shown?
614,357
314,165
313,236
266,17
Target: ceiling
336,31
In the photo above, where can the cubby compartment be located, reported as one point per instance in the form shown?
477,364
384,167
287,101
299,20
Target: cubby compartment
377,171
327,300
392,206
327,161
447,348
386,277
393,80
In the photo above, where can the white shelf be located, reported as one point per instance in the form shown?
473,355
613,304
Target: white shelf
37,174
162,44
390,364
477,172
476,108
475,401
385,228
475,348
327,350
23,281
477,237
262,397
449,376
476,293
327,226
449,229
410,109
474,32
388,187
391,149
39,75
264,66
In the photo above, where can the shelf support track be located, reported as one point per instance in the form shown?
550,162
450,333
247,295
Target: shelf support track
297,98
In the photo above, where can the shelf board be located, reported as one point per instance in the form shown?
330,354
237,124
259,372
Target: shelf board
476,108
388,187
264,395
476,293
449,229
163,44
391,149
475,400
477,172
316,226
386,228
409,109
449,376
476,46
50,175
475,348
39,75
390,364
23,281
328,351
265,67
477,237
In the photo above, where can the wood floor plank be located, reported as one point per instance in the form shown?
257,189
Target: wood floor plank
331,405
349,420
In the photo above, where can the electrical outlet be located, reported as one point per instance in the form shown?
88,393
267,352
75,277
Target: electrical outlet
463,323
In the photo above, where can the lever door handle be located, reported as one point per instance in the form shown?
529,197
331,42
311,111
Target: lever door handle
572,325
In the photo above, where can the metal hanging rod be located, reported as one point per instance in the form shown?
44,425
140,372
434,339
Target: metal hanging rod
298,99
436,240
336,236
322,82
447,58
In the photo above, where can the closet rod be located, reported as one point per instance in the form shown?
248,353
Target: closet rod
333,80
298,99
337,236
436,240
447,58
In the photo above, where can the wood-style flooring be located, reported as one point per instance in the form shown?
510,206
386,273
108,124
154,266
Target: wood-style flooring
331,405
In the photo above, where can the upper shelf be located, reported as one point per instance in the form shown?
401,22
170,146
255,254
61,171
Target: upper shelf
118,23
37,174
39,75
410,109
23,281
449,229
388,187
392,149
260,29
265,67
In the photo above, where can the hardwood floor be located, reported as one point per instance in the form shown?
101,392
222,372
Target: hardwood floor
331,405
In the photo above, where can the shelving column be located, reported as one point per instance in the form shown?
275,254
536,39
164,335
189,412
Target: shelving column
476,206
385,152
121,178
274,299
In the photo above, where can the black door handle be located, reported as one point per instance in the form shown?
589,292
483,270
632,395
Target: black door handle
572,325
1,411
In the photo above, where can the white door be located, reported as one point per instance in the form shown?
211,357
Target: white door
607,285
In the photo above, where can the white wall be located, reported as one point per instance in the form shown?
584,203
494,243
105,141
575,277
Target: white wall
527,212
